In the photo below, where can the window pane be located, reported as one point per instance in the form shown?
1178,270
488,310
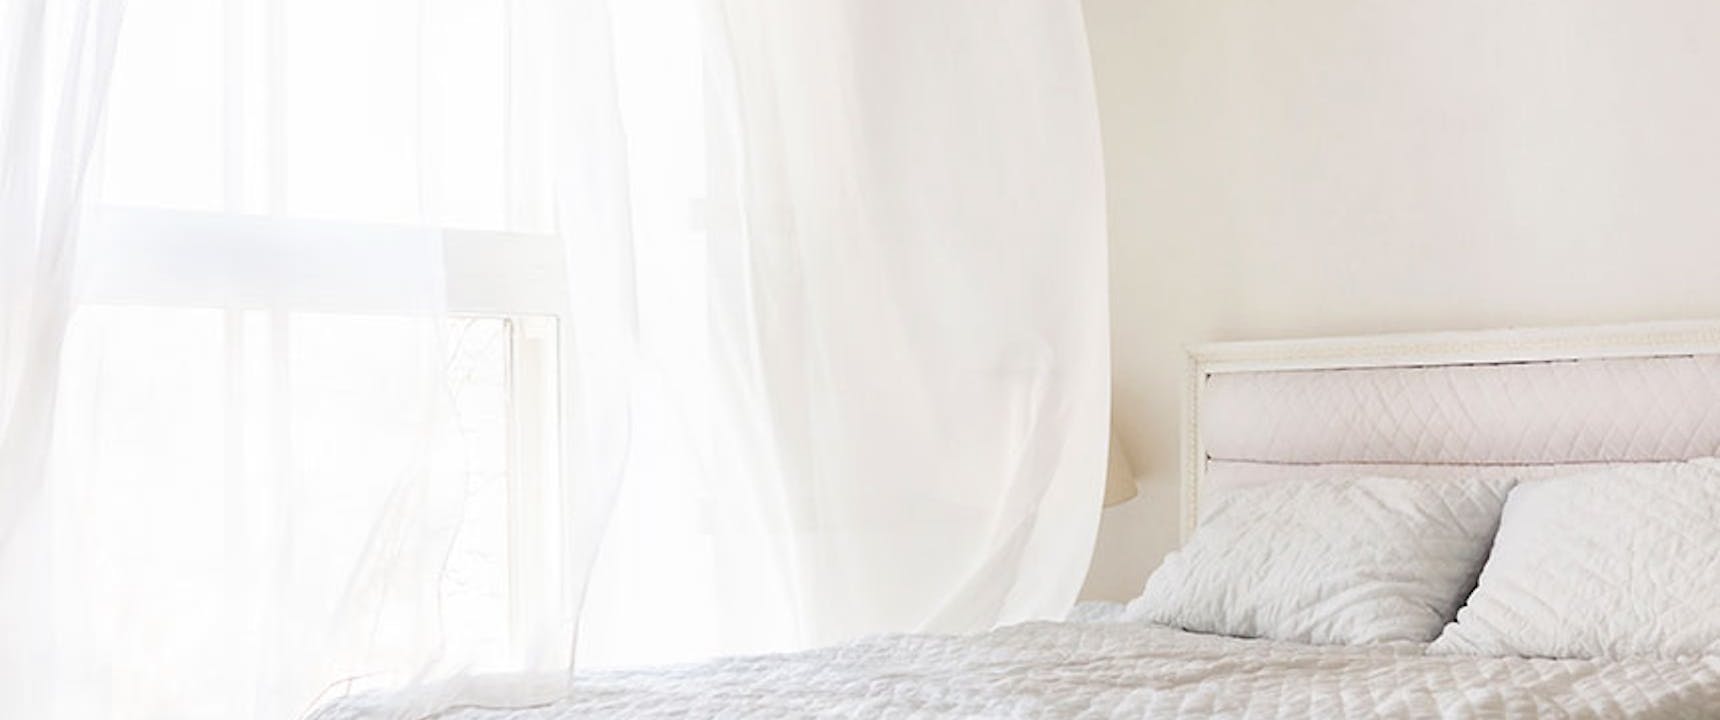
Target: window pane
164,136
388,111
248,483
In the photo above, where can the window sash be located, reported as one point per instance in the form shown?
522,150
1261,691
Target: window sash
173,258
144,256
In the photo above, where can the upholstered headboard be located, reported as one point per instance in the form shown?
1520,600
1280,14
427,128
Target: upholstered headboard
1526,403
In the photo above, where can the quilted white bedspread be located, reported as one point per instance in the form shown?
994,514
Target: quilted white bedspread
1104,670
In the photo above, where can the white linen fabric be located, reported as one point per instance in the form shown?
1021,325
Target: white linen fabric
1343,561
1616,563
267,477
1074,670
55,62
871,395
831,339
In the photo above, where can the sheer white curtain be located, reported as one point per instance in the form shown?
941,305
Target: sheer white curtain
54,65
416,335
911,288
875,380
292,452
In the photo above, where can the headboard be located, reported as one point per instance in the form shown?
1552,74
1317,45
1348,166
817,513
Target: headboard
1527,403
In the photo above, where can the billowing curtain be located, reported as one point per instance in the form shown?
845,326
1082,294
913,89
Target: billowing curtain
873,381
908,281
421,340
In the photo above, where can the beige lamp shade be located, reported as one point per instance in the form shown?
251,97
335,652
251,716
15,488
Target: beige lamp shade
1119,475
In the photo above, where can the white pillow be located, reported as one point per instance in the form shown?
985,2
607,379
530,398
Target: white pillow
1347,561
1611,564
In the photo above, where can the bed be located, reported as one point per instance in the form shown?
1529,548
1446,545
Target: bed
1525,404
1104,670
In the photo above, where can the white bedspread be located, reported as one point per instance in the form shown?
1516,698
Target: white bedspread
1103,670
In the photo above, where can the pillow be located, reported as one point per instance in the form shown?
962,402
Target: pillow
1348,561
1605,565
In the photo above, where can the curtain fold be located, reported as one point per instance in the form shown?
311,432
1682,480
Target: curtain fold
913,285
55,61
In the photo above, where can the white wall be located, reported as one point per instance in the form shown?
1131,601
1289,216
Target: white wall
1322,167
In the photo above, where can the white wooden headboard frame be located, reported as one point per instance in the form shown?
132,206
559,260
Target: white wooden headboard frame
1488,347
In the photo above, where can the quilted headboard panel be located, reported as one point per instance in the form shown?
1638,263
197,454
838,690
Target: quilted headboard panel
1604,410
1526,403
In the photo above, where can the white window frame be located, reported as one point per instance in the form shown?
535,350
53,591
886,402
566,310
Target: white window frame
146,257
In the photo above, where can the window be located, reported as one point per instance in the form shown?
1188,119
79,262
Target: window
324,237
318,270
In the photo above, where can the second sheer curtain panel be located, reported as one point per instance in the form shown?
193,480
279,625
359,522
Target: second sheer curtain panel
882,364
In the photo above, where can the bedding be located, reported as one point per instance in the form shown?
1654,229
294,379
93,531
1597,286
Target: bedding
1109,669
1338,561
1614,563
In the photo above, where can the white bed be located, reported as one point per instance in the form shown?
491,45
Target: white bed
1527,404
1103,670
